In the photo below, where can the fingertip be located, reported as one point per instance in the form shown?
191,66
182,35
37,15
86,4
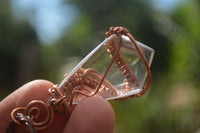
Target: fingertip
93,114
34,90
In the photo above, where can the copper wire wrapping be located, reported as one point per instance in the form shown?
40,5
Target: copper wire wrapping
86,82
34,113
123,31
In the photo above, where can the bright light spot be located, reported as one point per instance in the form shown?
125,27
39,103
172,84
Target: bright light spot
49,17
166,5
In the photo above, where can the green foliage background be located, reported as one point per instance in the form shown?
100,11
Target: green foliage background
172,102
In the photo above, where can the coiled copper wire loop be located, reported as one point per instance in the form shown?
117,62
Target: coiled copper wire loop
34,112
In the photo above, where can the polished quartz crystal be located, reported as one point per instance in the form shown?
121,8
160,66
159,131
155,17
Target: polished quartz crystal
126,76
116,69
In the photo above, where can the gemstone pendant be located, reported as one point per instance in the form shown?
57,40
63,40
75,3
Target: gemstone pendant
117,68
126,76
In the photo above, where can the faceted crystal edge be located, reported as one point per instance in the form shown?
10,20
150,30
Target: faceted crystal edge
82,62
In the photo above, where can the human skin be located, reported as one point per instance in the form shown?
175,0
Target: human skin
91,115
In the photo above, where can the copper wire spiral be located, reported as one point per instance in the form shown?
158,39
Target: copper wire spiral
34,112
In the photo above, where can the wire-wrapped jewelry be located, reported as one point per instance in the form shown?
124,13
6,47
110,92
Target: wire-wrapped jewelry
116,69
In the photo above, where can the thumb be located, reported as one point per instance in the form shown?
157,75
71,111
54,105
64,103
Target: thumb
91,115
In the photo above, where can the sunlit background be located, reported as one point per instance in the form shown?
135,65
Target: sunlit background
44,39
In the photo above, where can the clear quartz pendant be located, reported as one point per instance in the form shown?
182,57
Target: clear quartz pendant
116,69
125,78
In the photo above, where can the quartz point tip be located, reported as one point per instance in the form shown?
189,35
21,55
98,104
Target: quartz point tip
126,76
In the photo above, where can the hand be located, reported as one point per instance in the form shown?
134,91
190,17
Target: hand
91,115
